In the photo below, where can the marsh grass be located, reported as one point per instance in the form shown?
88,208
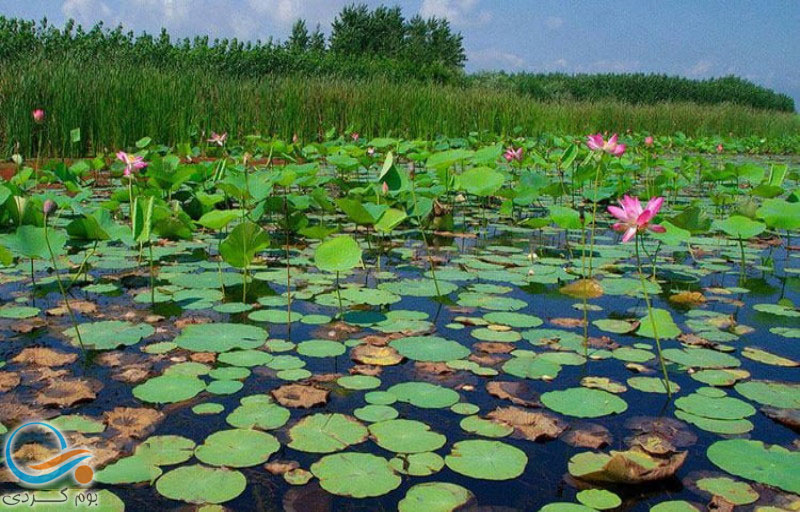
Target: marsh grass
116,104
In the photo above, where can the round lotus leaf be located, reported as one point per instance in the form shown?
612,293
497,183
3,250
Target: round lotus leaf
753,460
674,506
486,334
78,423
632,355
375,413
229,373
424,395
224,387
783,395
315,319
166,450
168,389
417,464
486,428
245,358
232,308
516,320
358,382
613,326
465,408
652,385
286,362
357,475
565,507
129,470
109,334
200,484
188,369
294,374
700,358
220,337
380,398
584,402
418,287
429,348
487,460
720,408
370,296
599,499
161,347
274,316
737,493
237,448
491,302
720,377
326,433
406,436
19,312
208,408
321,348
338,254
434,497
531,368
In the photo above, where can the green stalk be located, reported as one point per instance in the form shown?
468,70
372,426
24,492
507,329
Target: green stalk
61,287
425,240
652,318
339,295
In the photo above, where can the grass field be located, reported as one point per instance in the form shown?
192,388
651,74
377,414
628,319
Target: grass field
116,104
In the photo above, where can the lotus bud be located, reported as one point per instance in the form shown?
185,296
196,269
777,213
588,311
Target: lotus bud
38,116
49,207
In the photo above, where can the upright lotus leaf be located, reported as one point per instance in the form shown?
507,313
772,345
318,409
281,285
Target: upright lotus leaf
201,484
143,218
672,235
237,448
390,219
566,218
435,497
357,475
486,460
780,214
693,219
29,242
96,226
753,460
218,219
481,181
355,211
339,254
740,227
241,245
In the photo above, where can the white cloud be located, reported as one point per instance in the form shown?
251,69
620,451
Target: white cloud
701,68
459,12
495,59
85,11
554,22
287,12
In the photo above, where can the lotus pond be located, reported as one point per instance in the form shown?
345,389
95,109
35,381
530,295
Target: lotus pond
408,325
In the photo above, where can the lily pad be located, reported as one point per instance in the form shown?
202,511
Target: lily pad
358,475
201,484
434,497
237,448
326,433
584,402
486,460
406,436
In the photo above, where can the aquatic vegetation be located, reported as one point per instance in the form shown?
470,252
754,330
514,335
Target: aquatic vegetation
410,324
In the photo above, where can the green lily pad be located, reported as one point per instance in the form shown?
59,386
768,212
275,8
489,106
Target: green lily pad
434,497
753,460
237,448
326,433
406,436
109,334
129,470
417,464
168,389
166,450
599,499
737,493
357,475
429,348
783,395
424,395
200,484
220,337
486,460
584,402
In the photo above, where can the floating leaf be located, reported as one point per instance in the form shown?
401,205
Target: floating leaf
487,460
358,475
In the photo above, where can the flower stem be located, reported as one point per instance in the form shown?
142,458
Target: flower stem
652,318
61,288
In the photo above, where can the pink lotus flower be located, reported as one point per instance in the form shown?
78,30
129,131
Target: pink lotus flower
132,162
634,219
385,188
648,141
218,139
596,143
720,148
38,116
513,155
354,136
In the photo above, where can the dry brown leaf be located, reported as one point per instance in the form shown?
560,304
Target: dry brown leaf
583,289
135,422
517,392
8,381
365,369
280,467
787,417
688,298
588,435
530,425
203,357
493,347
28,325
567,322
78,306
64,393
302,396
42,356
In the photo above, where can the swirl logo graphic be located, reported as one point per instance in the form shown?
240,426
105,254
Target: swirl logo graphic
45,472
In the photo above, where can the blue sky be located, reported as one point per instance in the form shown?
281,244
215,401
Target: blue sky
755,39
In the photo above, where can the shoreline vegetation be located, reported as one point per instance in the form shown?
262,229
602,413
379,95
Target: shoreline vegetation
376,72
